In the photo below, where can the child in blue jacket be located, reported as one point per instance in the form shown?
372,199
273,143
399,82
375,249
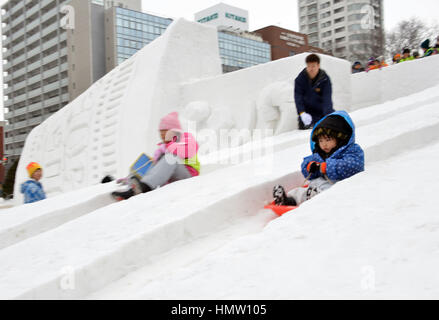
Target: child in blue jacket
33,189
335,157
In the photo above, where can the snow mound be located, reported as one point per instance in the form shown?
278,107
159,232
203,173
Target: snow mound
393,82
100,248
116,119
372,236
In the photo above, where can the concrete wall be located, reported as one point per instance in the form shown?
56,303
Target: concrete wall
110,39
79,48
98,41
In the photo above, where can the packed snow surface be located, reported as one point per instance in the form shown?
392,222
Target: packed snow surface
374,236
370,236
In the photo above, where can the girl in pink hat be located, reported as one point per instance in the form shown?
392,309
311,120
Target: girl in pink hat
175,159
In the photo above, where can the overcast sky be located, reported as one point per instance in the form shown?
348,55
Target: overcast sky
283,13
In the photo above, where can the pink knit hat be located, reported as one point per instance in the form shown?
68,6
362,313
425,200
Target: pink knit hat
170,122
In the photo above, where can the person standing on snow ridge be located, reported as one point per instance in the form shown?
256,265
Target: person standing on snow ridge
312,93
33,189
175,159
382,62
374,64
406,56
428,51
335,157
357,67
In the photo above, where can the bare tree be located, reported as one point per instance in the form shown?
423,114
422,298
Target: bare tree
433,33
407,34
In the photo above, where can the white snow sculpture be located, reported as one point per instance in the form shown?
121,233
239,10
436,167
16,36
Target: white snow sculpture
197,111
105,129
276,109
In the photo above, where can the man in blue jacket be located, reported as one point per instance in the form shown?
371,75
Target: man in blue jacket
312,93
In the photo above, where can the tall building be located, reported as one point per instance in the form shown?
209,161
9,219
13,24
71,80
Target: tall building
224,16
242,50
349,29
56,49
127,31
49,58
35,61
239,48
90,57
3,160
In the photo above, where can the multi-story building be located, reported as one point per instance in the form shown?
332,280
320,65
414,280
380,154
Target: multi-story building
349,29
49,59
56,49
239,48
242,50
128,31
35,61
224,16
3,159
285,43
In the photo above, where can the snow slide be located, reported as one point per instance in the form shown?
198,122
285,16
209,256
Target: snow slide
109,243
372,237
24,222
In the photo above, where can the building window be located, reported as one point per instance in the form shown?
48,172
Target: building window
338,30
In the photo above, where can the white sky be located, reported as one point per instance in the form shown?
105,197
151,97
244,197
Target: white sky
283,13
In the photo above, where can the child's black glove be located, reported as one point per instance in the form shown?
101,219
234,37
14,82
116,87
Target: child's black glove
313,167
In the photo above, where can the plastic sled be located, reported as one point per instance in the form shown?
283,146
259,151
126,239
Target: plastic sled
141,166
279,210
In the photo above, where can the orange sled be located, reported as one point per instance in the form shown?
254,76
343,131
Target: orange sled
279,210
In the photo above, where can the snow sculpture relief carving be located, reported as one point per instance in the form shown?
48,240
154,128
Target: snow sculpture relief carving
103,130
83,134
276,108
106,128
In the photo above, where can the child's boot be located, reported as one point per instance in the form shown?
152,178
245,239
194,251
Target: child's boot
138,186
123,195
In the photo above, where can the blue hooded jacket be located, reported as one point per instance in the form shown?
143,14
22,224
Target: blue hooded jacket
313,97
33,191
345,162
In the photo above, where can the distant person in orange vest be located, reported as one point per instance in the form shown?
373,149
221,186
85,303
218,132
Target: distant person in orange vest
396,58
